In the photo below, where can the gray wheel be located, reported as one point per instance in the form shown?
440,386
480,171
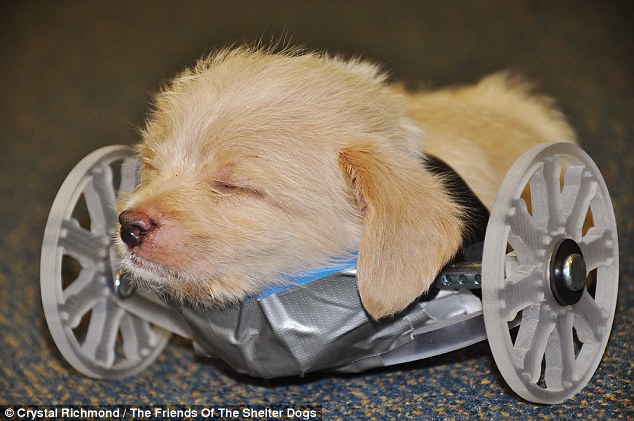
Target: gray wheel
550,261
94,333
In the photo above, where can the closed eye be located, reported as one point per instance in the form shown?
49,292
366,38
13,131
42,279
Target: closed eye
225,188
227,182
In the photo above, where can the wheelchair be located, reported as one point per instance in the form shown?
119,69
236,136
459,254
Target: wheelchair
543,295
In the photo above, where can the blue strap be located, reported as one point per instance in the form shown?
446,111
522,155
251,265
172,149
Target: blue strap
305,277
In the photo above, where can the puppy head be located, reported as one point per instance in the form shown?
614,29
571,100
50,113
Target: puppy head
256,165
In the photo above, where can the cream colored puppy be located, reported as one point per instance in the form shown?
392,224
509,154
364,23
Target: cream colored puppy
257,165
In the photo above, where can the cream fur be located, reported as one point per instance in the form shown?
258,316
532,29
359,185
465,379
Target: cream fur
257,164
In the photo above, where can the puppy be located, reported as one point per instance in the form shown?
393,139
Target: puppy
256,165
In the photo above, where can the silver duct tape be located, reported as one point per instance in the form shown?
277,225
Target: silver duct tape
322,326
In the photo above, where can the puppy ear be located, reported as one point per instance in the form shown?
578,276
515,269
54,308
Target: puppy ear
411,225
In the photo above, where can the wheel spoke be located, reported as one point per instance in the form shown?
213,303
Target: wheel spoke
579,190
564,328
81,295
82,244
525,237
128,176
524,340
553,362
100,196
545,325
539,198
597,248
521,290
102,332
560,354
573,179
589,320
87,276
511,264
138,337
552,177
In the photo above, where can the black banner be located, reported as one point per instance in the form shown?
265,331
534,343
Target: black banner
161,412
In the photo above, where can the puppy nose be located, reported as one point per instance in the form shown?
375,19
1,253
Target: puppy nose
135,226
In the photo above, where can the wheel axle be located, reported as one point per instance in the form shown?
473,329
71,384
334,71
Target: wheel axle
567,272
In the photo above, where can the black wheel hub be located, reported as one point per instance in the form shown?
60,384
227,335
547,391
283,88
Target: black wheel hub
567,272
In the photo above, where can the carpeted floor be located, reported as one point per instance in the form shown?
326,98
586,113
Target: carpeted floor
78,75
